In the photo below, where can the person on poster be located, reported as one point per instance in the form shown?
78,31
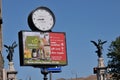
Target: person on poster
40,50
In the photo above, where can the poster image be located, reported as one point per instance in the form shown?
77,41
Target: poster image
42,48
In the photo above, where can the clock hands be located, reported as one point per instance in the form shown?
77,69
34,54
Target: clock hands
41,19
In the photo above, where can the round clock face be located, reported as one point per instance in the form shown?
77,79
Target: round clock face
41,19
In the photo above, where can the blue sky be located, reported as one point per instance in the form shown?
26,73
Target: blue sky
82,20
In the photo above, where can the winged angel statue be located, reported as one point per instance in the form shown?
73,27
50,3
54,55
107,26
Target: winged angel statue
10,51
99,47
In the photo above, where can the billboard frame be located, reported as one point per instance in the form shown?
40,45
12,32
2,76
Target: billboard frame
47,64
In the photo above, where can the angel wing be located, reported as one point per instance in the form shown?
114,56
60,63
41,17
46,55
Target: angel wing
6,46
103,42
14,45
94,43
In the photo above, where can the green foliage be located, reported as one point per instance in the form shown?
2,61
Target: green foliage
114,58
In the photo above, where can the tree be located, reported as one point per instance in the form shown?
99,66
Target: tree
114,59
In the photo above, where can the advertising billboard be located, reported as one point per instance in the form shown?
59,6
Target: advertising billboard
42,49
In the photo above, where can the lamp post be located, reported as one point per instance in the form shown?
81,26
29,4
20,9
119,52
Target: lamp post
74,72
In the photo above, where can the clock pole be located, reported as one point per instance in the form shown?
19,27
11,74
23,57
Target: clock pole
44,71
44,23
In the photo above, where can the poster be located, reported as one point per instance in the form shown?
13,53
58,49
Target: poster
42,48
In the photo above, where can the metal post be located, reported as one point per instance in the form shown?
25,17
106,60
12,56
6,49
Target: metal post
76,76
50,75
44,71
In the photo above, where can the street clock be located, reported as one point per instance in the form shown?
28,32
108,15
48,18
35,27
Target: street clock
41,19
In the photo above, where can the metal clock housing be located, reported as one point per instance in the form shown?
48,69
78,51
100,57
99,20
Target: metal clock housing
41,19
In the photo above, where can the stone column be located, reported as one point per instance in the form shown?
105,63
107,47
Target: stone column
11,73
101,69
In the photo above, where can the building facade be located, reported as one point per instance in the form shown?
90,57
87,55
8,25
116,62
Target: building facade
1,57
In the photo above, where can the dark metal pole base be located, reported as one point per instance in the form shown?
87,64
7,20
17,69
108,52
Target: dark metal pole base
44,71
